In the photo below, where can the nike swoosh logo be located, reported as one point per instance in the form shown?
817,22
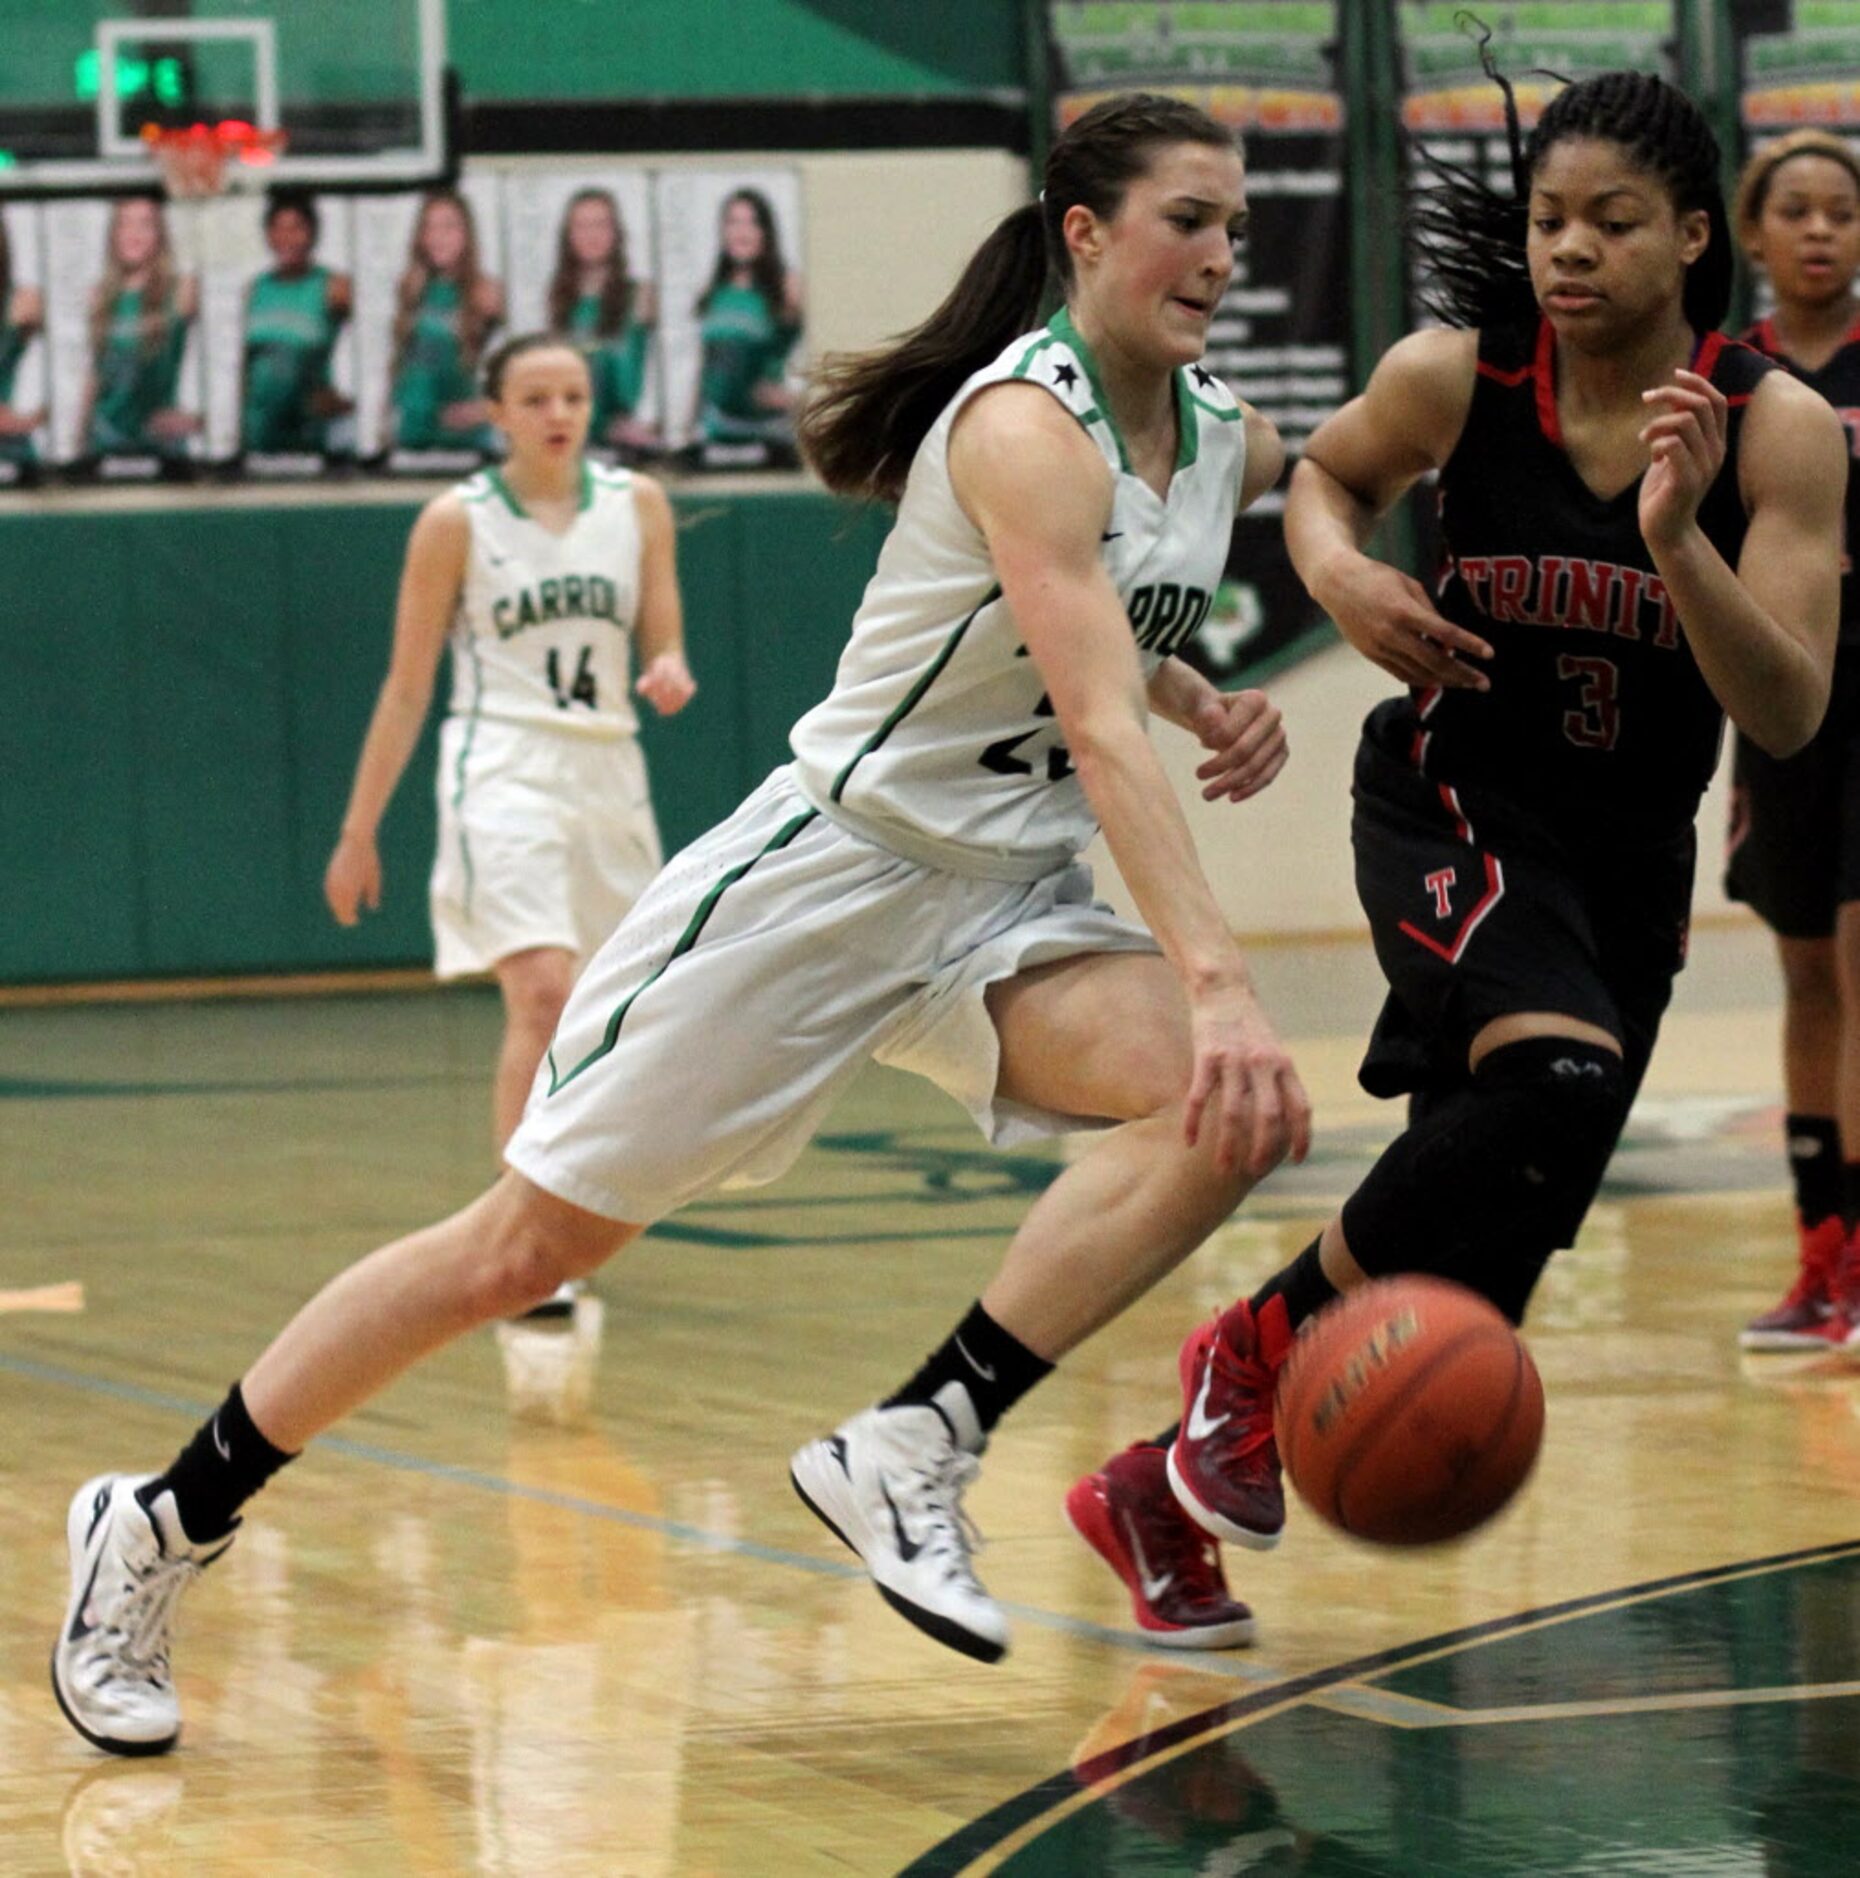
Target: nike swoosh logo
1153,1587
1116,534
981,1369
225,1452
79,1628
1200,1426
908,1548
837,1443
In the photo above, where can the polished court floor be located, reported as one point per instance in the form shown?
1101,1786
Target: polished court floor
550,1607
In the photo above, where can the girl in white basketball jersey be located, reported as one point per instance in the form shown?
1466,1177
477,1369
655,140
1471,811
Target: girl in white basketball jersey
543,575
907,888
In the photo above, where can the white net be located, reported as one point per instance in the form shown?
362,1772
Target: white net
206,172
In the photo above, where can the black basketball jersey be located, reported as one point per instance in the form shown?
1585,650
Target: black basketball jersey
1598,718
1839,382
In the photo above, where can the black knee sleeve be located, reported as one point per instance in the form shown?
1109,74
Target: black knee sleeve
1493,1178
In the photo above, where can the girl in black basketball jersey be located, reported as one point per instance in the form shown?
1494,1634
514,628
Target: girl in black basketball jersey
1642,530
1795,825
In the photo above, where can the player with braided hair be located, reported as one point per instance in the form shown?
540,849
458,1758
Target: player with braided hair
1642,524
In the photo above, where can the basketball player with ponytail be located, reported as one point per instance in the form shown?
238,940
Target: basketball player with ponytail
1642,523
907,888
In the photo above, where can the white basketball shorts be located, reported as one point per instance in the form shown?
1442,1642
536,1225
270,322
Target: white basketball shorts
765,965
544,840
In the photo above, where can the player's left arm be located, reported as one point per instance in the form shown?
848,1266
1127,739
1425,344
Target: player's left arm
1763,635
664,681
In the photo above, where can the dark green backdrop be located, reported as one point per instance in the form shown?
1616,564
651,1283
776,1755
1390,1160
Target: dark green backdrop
183,694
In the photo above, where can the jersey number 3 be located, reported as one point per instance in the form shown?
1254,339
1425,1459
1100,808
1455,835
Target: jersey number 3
580,687
1598,723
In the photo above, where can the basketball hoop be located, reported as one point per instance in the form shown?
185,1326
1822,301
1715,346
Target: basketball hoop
194,158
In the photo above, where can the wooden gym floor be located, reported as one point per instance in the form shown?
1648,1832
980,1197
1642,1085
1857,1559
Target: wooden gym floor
487,1629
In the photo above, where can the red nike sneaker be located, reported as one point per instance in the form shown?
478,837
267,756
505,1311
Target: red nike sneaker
1812,1316
1224,1465
1126,1513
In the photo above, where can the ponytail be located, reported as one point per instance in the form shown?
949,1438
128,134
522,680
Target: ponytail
868,413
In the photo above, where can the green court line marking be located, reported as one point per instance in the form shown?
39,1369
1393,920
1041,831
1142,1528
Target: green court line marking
987,1842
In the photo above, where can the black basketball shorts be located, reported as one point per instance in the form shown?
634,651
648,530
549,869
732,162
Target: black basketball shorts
1792,854
1480,909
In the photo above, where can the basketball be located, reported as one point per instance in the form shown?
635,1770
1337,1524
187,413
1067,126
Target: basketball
1409,1412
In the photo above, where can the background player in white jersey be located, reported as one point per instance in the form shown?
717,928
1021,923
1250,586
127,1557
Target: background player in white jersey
540,575
906,888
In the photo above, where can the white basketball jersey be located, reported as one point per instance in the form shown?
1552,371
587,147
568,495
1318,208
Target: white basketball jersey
938,740
543,632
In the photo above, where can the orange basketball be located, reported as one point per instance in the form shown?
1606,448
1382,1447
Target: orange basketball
1409,1412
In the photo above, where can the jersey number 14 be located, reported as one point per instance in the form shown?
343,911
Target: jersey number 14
580,686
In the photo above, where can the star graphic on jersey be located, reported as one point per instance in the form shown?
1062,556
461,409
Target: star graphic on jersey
1065,375
1203,377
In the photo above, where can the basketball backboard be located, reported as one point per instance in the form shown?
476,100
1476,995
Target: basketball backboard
356,87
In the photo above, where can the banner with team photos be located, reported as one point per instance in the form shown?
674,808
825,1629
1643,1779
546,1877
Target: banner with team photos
296,335
1281,336
25,380
733,314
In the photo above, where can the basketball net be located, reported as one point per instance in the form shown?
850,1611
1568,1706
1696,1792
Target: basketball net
200,164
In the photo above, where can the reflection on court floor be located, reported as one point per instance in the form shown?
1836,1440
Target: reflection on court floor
552,1607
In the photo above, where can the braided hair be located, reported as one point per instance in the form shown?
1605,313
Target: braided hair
1472,238
869,411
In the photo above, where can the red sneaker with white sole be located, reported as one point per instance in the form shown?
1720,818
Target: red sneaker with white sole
1127,1514
1224,1464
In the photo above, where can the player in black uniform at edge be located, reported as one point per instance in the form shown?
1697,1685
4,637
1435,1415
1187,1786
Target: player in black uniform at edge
1794,851
1642,530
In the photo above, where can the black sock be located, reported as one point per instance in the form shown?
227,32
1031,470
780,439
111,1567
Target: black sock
993,1364
1301,1284
227,1462
1850,1193
1822,1184
1167,1438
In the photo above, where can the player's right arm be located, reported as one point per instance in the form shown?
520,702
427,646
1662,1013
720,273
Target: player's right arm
429,591
1038,490
1357,465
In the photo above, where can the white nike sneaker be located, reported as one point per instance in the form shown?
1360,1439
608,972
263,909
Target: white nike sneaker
889,1483
129,1566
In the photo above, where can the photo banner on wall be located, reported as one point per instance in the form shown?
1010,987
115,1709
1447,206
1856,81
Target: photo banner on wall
25,392
1281,336
583,263
734,314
